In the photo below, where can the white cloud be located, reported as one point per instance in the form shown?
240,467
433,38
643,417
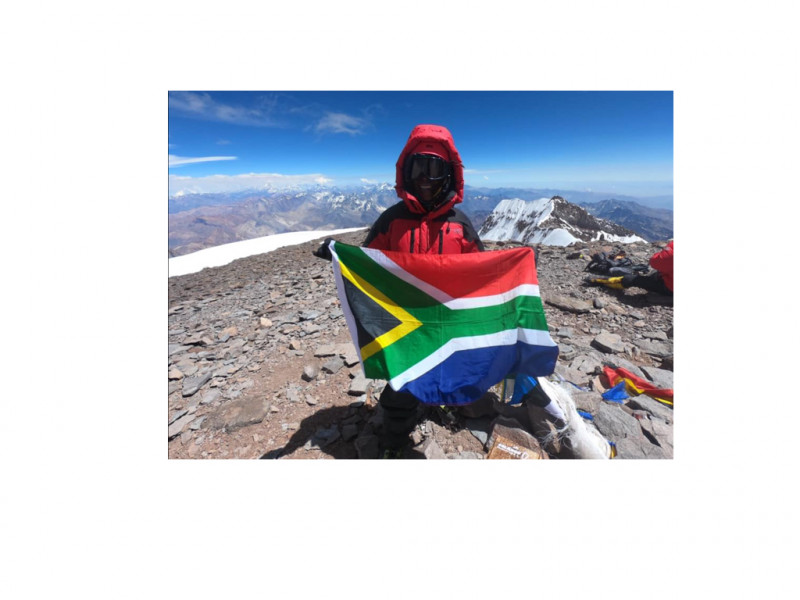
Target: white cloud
368,181
201,105
341,123
180,185
175,161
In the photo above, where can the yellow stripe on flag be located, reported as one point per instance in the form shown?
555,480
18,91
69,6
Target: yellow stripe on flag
407,322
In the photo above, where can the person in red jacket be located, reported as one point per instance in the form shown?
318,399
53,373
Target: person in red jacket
662,263
429,183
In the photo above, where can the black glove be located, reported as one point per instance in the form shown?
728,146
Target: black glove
323,251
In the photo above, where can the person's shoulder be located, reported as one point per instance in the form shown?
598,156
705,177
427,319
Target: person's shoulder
458,216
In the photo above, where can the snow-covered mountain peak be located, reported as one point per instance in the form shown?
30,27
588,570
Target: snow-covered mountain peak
550,221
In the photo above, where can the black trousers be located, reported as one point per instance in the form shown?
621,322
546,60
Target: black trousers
399,417
652,283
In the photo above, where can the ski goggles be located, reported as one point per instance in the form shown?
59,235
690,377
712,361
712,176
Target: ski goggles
429,166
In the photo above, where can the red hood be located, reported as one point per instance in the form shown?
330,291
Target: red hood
431,133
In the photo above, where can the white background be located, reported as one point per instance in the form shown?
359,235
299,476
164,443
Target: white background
90,506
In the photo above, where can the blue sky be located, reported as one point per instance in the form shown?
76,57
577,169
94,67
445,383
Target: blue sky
617,142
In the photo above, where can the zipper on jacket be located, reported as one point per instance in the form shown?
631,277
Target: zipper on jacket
412,240
441,240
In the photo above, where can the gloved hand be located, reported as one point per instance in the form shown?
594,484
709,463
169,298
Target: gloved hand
324,251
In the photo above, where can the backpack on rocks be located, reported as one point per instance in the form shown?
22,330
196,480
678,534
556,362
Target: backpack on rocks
618,265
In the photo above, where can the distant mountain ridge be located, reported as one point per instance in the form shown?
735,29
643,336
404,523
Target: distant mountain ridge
550,221
653,224
203,220
198,221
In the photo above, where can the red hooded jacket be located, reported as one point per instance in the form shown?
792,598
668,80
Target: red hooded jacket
407,226
662,262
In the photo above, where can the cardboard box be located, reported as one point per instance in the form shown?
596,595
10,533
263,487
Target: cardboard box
504,448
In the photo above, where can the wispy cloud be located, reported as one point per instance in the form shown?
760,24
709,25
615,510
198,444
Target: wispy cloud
201,105
179,185
175,161
333,122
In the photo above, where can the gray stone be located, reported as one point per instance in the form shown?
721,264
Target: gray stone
569,304
333,365
431,450
652,406
608,342
360,401
628,448
466,455
325,350
351,358
292,394
586,364
309,315
566,352
178,426
310,372
192,384
197,423
587,401
616,424
358,386
177,415
654,348
655,335
239,413
661,378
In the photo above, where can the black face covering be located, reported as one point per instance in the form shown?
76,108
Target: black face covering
428,170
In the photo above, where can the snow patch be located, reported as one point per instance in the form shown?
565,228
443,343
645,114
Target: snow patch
227,253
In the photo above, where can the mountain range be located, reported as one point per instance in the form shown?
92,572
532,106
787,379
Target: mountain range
198,221
550,221
653,224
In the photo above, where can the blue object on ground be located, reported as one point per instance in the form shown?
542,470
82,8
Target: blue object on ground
616,393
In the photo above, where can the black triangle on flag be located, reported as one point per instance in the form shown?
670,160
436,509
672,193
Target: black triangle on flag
374,320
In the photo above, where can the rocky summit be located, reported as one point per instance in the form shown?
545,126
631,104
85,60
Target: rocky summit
260,365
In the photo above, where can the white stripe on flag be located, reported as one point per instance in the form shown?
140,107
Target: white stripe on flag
508,337
527,289
391,266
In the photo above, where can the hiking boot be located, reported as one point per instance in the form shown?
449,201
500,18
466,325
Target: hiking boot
391,454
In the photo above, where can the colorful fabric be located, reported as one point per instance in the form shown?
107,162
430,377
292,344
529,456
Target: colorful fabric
636,385
444,328
616,393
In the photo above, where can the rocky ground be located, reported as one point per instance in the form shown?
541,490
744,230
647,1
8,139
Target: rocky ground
260,365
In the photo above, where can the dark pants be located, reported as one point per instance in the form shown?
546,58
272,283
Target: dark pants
399,417
652,283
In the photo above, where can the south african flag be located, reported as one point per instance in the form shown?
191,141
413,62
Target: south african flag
447,327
